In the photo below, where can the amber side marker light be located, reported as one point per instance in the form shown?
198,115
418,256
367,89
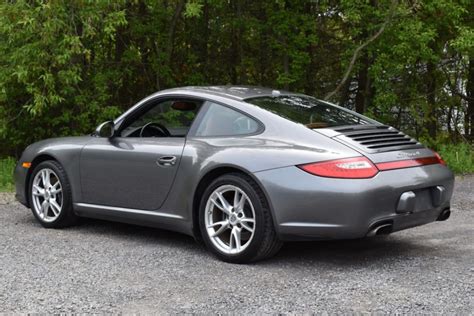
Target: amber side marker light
26,165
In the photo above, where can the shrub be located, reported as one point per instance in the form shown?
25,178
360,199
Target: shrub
459,157
6,174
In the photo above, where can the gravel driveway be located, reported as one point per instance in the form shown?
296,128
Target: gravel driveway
102,267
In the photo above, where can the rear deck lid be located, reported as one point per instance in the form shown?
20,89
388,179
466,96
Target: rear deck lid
380,143
375,138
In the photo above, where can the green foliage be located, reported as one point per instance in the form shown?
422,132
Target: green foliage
193,9
6,174
65,66
459,157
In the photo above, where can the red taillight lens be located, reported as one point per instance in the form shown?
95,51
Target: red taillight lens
440,159
407,163
349,168
400,164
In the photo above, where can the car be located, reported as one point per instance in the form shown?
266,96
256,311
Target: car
242,169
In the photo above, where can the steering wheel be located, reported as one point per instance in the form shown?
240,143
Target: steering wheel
157,126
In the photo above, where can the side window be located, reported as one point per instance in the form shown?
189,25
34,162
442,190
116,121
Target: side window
170,118
223,121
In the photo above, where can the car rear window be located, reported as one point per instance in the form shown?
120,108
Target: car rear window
309,111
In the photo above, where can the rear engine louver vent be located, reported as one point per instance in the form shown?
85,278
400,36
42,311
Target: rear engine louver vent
380,138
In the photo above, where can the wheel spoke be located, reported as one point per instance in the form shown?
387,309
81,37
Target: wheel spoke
45,176
247,220
223,200
224,205
220,230
246,226
218,223
44,208
56,191
55,207
235,239
37,190
56,188
218,205
239,203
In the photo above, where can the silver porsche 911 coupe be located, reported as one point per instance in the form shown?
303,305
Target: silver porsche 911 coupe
242,169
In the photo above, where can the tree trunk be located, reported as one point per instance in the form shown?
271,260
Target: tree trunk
363,86
345,93
172,29
205,42
286,67
469,118
431,115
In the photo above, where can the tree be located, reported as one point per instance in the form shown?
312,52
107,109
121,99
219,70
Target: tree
65,66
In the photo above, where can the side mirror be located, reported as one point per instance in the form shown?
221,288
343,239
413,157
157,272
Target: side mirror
106,129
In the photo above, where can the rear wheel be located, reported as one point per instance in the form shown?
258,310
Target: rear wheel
50,196
235,220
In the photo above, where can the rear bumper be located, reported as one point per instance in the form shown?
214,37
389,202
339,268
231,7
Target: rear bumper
309,207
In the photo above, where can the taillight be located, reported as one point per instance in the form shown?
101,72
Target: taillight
408,163
440,159
348,168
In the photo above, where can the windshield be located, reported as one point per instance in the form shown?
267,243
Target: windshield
309,111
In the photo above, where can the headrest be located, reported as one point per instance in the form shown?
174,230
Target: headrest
184,106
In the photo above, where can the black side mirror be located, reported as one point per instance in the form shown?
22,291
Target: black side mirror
106,129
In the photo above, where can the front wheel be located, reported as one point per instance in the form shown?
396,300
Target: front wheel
235,220
50,196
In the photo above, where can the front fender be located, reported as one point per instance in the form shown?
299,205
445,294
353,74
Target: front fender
65,150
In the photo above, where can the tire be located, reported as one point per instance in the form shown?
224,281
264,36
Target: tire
54,217
222,225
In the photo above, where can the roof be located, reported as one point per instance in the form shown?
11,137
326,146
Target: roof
234,92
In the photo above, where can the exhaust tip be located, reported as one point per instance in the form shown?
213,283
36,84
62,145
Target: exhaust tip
380,229
444,215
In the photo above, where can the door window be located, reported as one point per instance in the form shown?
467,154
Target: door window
170,118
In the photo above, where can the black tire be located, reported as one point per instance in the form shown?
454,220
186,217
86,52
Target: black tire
265,242
66,216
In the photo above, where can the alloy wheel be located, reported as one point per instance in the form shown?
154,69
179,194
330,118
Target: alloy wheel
47,196
230,219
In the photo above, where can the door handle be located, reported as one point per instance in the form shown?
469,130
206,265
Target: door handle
167,161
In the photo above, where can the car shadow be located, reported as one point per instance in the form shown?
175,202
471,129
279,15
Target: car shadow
134,232
358,252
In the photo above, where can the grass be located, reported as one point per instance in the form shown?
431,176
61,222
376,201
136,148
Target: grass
459,157
6,174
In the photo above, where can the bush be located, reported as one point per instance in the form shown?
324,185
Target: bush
459,157
6,174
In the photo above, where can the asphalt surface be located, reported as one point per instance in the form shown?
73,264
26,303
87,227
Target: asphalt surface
101,267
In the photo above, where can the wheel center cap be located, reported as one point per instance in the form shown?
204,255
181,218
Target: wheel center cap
233,219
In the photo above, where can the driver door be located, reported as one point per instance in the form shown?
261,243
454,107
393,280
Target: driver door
136,168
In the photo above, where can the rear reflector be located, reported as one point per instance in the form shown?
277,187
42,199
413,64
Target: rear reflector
409,163
349,168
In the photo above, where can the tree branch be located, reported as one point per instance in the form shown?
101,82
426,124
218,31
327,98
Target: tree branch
359,49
